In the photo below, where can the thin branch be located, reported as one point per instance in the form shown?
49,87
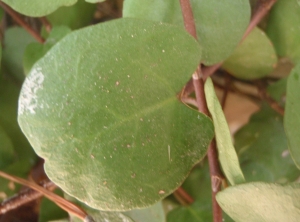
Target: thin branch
198,82
262,8
264,96
61,202
16,16
184,196
226,90
46,23
23,197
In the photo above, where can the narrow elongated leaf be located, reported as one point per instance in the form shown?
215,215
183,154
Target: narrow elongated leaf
227,155
37,8
292,115
211,18
263,150
283,28
261,202
254,58
105,117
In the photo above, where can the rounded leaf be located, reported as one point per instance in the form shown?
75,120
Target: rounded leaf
284,30
254,58
101,109
261,202
211,18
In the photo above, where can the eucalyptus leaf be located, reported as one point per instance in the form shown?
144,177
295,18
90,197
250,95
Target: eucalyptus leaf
227,155
94,1
37,8
254,58
262,149
292,116
277,90
211,18
105,117
283,28
261,202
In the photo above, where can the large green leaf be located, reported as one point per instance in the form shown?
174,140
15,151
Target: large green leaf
15,41
77,16
262,149
37,8
34,51
227,155
254,58
105,117
218,31
292,115
284,30
261,202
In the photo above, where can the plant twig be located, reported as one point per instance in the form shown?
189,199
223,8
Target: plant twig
61,202
264,96
46,23
226,90
198,82
184,196
16,16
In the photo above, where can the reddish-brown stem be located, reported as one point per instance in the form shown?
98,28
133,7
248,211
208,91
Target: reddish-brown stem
23,197
198,83
188,17
46,23
216,179
184,196
225,92
262,8
64,204
264,96
16,16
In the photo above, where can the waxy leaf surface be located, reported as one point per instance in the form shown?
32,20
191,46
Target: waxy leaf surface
254,58
37,8
284,30
211,18
292,114
263,149
101,109
261,202
227,155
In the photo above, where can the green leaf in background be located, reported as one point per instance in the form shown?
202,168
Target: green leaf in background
6,149
15,41
198,185
105,117
292,114
254,58
9,94
284,30
262,149
261,202
97,215
211,18
35,51
76,16
227,155
94,1
155,213
50,211
37,8
277,90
